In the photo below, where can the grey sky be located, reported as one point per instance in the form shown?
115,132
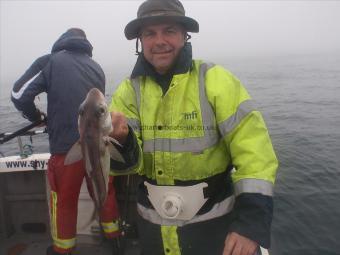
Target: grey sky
227,28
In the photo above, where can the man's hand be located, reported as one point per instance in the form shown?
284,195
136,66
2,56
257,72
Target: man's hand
37,117
236,244
120,127
43,117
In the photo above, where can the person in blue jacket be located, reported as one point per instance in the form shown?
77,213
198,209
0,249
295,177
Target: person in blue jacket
66,75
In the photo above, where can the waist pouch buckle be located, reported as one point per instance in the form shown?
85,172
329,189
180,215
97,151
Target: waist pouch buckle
177,202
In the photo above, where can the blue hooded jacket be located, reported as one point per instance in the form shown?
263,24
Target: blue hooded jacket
66,75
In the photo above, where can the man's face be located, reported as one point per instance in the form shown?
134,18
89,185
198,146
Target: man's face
161,45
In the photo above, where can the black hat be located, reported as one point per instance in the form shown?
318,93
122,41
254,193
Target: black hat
155,11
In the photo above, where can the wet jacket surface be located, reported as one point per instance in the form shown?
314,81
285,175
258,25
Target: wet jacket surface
187,134
66,75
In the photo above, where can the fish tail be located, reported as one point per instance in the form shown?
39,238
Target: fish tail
94,216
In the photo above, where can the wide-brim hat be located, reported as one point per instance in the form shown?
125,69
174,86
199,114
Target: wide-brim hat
158,11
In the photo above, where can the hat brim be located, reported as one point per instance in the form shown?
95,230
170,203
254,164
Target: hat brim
133,27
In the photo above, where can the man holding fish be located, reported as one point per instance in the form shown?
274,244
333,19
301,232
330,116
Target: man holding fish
67,75
191,131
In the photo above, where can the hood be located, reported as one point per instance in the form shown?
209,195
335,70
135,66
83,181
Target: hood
73,39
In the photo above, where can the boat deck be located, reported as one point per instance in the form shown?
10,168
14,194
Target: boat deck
36,244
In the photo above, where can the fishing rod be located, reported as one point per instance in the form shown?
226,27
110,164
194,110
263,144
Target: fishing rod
5,137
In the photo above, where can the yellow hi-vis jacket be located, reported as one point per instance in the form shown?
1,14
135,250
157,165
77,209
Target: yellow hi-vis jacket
203,123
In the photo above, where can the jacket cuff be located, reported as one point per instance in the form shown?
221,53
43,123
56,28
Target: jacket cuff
129,152
32,116
254,214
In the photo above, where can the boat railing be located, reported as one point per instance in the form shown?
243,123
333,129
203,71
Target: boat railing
24,149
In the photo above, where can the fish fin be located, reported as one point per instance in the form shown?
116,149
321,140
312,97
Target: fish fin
114,153
74,154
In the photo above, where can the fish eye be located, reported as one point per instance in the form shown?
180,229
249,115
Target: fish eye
101,110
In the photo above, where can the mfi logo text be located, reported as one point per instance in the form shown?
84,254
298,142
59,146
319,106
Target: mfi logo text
190,115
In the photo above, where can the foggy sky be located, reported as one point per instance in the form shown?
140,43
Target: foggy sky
227,28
